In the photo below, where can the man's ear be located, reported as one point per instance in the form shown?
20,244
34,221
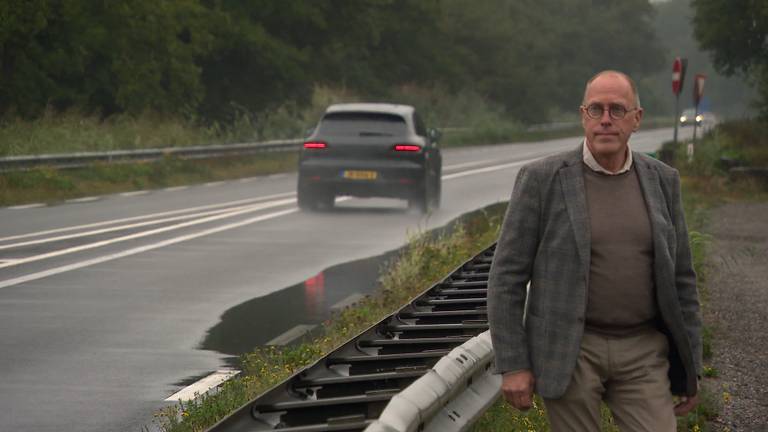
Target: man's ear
638,117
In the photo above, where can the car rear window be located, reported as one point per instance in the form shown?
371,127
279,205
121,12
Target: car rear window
362,124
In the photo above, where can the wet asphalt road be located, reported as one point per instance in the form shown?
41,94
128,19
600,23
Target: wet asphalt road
109,306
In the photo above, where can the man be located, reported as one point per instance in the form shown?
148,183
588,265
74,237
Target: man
612,310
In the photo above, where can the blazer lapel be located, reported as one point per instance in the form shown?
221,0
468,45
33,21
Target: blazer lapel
650,183
654,199
572,184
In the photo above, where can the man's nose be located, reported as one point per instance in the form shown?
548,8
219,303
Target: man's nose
606,119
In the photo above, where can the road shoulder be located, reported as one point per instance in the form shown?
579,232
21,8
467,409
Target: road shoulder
737,305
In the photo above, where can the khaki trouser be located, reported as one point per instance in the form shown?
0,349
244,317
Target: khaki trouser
629,374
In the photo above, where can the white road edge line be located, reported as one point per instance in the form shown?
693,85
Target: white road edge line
291,335
134,193
247,209
203,386
148,216
84,199
347,301
140,249
175,188
26,206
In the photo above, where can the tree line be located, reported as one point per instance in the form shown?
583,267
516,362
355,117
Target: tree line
210,60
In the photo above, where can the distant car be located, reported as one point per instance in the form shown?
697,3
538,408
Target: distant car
370,150
688,116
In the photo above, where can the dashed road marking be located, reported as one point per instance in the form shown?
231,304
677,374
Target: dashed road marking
149,216
141,249
243,210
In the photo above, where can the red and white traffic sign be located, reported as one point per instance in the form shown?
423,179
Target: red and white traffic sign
678,74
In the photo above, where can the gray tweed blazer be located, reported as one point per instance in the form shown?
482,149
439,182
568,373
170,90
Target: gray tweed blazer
545,240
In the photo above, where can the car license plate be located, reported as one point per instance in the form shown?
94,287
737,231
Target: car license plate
360,175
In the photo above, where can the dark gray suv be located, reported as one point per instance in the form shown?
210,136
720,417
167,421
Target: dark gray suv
367,150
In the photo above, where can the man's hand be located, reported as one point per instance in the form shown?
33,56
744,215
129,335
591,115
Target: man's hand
517,388
686,404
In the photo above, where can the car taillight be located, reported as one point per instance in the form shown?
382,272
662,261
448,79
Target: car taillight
407,148
315,145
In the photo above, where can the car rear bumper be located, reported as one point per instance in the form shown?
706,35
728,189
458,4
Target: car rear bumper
400,179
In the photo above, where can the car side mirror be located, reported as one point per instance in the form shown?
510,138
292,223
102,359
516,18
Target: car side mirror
434,135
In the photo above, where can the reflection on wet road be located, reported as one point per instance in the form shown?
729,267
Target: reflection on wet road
257,321
308,303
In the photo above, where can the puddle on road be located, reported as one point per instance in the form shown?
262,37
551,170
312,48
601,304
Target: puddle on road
257,321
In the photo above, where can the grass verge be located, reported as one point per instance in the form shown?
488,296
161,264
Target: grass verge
427,258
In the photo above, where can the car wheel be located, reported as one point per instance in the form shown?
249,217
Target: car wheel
422,199
326,200
305,198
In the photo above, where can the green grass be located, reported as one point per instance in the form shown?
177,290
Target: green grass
427,258
52,185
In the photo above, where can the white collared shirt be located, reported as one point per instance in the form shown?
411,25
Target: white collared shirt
591,162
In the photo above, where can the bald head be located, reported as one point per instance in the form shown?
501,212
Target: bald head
614,74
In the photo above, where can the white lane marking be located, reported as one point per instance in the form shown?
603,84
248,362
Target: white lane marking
247,209
347,301
6,261
175,188
203,386
148,216
216,183
247,179
292,334
135,193
26,206
140,249
487,169
468,164
119,228
274,176
84,199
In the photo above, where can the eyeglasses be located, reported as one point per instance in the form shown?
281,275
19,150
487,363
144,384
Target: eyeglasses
616,111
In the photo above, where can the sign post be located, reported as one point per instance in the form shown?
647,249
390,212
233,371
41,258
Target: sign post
678,77
698,92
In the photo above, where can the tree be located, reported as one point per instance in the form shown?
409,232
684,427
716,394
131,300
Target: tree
735,34
132,55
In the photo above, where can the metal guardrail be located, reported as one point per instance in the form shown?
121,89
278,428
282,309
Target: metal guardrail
425,367
76,160
82,159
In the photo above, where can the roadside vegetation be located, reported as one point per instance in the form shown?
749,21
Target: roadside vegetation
427,258
465,118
